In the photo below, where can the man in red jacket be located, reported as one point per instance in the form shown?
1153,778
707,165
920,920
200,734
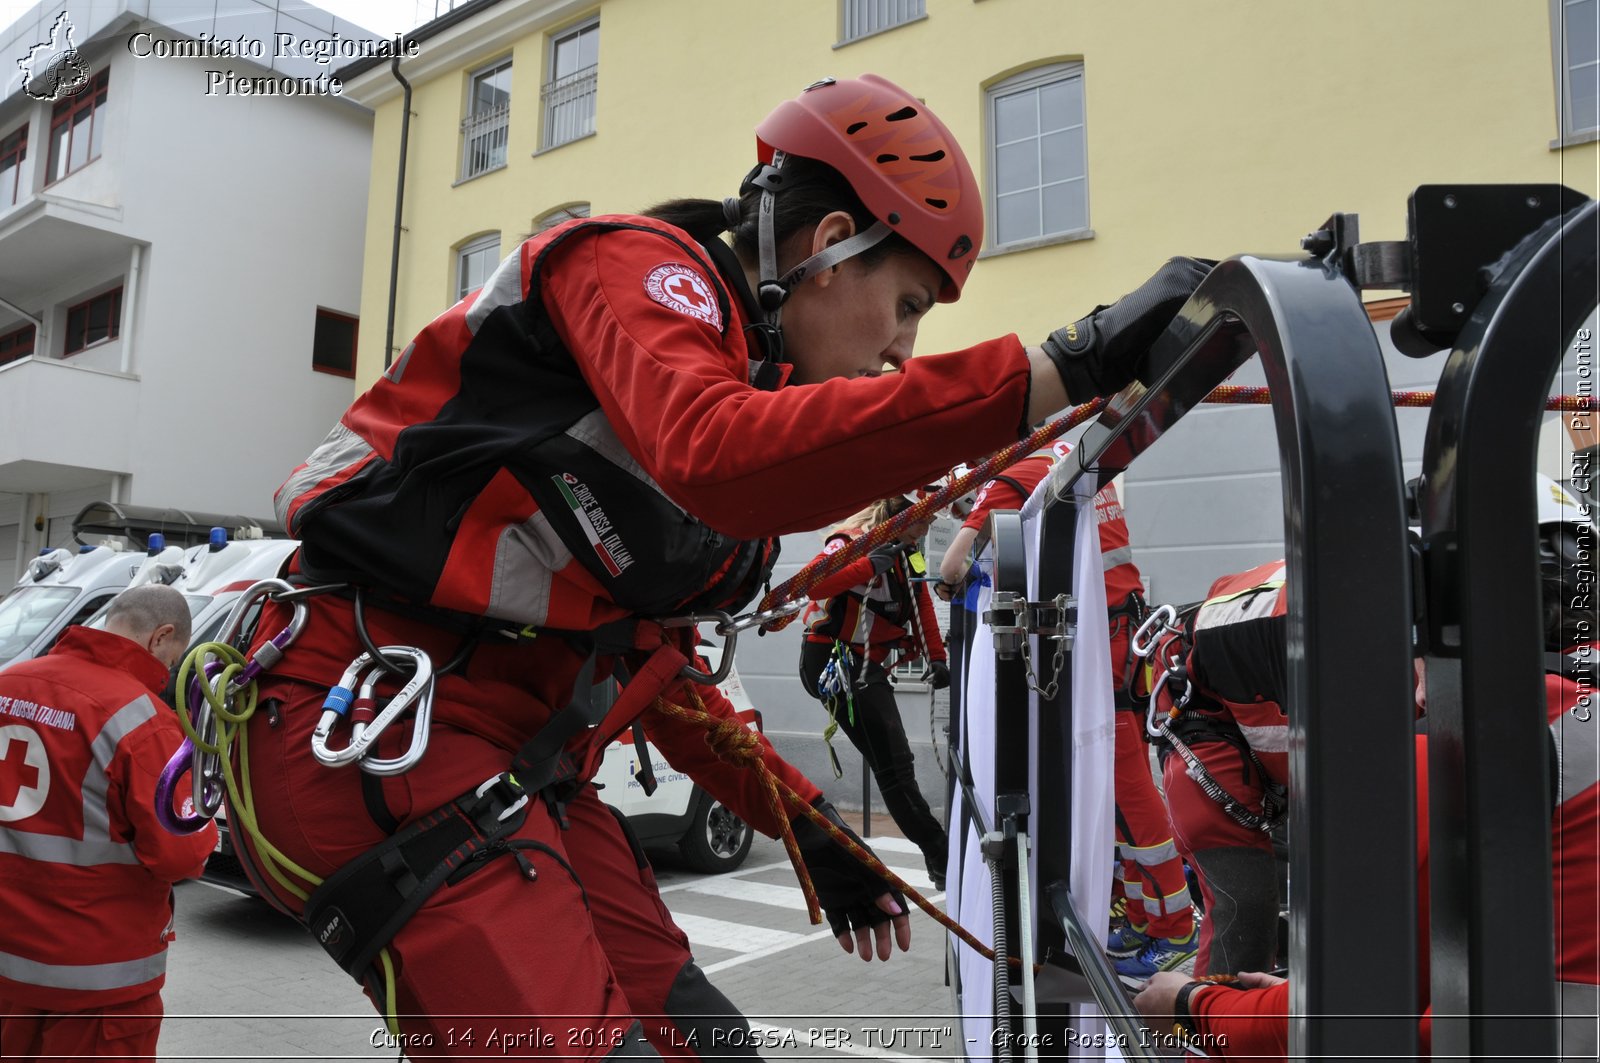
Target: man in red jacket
86,870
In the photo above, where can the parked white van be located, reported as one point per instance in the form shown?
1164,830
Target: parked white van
62,587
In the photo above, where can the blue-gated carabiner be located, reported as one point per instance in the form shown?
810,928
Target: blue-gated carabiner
352,691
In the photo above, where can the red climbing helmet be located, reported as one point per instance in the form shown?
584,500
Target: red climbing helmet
898,157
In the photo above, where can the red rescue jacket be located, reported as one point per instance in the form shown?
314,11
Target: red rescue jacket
86,870
876,614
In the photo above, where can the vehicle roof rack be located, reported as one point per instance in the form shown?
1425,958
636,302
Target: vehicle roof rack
180,526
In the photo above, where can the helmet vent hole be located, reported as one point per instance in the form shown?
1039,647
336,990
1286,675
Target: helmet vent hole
932,156
888,158
901,115
937,204
855,127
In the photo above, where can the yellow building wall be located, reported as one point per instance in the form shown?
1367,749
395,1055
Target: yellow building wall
1214,128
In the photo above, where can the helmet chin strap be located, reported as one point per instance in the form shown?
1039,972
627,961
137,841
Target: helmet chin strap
772,290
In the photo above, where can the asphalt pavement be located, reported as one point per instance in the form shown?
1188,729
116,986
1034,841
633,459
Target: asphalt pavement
246,983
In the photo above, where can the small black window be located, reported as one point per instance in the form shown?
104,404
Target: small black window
333,346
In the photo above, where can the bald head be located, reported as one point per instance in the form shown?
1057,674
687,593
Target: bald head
155,617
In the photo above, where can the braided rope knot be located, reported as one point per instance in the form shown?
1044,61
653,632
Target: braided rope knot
734,743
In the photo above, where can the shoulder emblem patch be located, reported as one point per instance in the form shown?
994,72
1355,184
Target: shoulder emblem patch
672,284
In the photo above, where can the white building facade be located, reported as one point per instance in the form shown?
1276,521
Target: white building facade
180,265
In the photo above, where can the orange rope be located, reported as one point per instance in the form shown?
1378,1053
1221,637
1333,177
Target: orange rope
736,744
799,585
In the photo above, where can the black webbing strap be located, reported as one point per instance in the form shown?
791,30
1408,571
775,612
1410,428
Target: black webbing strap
359,908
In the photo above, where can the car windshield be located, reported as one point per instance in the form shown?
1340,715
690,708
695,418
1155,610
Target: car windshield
27,611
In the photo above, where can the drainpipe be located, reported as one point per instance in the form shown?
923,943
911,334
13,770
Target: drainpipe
130,302
399,200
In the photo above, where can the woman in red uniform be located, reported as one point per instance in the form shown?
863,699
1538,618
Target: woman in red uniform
617,427
863,621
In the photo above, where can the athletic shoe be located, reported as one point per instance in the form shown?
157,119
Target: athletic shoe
1161,954
1126,941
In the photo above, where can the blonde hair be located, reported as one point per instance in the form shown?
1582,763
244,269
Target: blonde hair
865,520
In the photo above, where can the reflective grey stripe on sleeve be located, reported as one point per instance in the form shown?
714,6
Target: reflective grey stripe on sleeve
1110,559
1577,754
339,450
88,976
96,846
503,288
54,849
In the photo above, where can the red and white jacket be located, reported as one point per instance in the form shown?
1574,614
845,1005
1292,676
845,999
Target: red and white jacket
86,870
875,614
1239,659
579,441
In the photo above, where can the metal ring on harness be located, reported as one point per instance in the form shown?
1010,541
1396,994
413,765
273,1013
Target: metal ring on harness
205,765
415,696
725,627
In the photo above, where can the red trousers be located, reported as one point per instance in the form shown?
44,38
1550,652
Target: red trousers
120,1032
1150,869
1235,864
568,961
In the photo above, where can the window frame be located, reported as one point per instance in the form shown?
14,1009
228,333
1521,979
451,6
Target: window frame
478,125
555,216
1566,133
575,78
14,143
1032,79
846,12
9,356
113,325
476,245
355,342
90,100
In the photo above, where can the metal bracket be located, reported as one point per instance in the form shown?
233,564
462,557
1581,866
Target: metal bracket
1011,617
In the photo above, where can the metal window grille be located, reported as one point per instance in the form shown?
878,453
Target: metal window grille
483,140
861,18
569,106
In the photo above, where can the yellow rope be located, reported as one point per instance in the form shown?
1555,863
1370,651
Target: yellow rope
233,709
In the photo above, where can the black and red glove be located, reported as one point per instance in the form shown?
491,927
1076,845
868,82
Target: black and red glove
1100,354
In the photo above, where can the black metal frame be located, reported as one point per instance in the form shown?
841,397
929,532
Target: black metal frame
1492,981
1349,628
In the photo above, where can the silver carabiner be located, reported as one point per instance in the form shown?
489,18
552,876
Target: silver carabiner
415,696
727,627
1155,625
765,617
334,708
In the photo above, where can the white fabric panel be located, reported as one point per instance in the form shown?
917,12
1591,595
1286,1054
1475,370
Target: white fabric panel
967,880
1093,749
1092,808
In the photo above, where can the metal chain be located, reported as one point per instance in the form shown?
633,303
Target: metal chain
1057,661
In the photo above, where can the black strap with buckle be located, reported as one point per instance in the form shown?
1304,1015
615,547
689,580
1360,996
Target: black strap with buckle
359,908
